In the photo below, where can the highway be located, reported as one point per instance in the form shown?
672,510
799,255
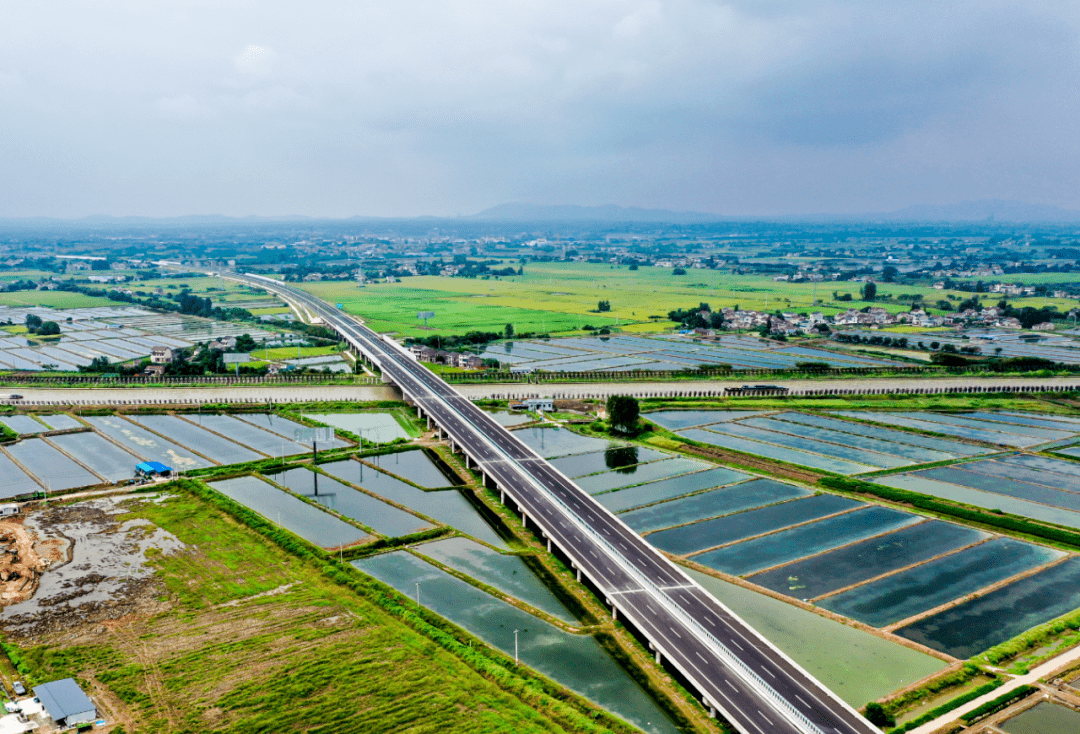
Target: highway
734,669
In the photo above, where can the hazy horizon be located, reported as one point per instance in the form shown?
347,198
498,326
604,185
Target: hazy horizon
734,109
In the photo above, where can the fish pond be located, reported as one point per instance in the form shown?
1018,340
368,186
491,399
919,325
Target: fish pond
715,502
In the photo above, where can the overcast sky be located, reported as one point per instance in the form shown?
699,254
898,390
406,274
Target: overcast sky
407,107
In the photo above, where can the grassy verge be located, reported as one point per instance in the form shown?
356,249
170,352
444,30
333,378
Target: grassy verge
1045,641
947,707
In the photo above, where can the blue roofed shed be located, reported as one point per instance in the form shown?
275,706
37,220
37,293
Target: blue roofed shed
152,469
65,702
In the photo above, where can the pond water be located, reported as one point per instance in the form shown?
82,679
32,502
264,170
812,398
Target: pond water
23,424
639,474
977,625
13,480
869,668
1054,475
575,661
507,418
666,489
789,545
379,516
507,573
51,466
1017,429
549,442
145,444
708,533
674,420
1008,487
905,437
978,498
296,516
903,419
283,427
447,506
416,466
780,453
889,600
915,454
378,427
104,457
1059,423
818,447
190,435
867,559
713,503
579,465
1044,718
251,436
60,421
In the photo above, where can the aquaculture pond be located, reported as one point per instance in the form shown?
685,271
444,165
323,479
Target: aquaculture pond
979,498
666,489
970,628
729,528
1044,717
887,434
639,474
1017,429
550,442
214,447
251,436
865,560
988,434
906,454
1041,494
295,515
60,421
870,667
377,427
100,455
919,589
448,506
838,451
13,480
507,418
787,545
145,444
675,420
50,466
416,466
507,573
579,465
575,661
23,424
771,451
381,517
715,502
1049,473
284,427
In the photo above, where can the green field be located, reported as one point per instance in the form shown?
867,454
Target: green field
53,299
254,640
559,297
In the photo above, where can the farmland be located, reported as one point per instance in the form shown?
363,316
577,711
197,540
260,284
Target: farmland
563,296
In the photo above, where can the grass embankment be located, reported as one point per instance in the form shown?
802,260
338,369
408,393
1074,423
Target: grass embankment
258,639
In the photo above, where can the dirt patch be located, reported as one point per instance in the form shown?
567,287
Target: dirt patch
763,466
23,559
574,406
93,569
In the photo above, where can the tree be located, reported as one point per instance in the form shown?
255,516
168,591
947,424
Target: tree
245,343
33,322
633,266
623,411
678,271
508,331
603,306
716,320
869,291
889,273
49,328
878,716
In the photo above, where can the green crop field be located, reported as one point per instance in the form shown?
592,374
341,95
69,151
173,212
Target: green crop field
53,299
560,297
253,640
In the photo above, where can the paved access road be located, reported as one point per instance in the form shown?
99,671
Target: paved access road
755,687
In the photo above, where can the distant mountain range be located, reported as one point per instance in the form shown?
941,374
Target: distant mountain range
997,210
518,212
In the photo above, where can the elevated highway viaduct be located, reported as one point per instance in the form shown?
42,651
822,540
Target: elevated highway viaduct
734,669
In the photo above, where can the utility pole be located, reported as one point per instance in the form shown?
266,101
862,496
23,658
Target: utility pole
515,647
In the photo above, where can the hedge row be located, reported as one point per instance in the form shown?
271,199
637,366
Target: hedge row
950,706
932,504
531,688
998,703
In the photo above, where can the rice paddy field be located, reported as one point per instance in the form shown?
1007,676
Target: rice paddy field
562,296
115,333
